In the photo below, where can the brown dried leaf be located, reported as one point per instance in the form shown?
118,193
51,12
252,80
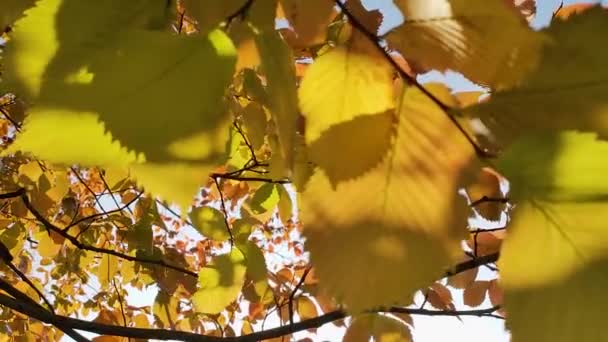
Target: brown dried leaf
475,294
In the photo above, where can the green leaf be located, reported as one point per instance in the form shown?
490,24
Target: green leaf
68,137
54,40
559,184
108,267
279,68
242,228
567,90
570,309
265,198
463,35
372,222
135,104
285,204
210,223
254,119
256,267
220,282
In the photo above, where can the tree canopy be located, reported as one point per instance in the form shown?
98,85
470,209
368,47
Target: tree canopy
272,166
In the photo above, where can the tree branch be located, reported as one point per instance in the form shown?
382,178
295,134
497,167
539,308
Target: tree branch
25,300
51,227
470,264
164,334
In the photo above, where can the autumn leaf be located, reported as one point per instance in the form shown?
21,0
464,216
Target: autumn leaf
353,83
382,229
461,35
561,207
220,282
381,328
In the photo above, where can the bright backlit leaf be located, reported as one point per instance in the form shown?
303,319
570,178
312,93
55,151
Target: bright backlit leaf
373,223
220,282
108,268
309,19
210,223
559,185
343,84
334,150
265,198
381,328
462,35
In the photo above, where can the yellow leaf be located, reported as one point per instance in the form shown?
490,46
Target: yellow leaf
462,35
488,185
108,267
108,339
210,223
341,85
256,268
309,19
285,204
403,214
381,328
306,308
174,182
75,135
265,198
220,282
141,321
335,148
47,247
29,174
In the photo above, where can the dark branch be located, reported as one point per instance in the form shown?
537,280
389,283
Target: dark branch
470,264
250,179
241,12
224,211
25,300
163,334
486,199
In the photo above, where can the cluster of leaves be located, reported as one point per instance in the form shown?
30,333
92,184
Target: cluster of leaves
193,146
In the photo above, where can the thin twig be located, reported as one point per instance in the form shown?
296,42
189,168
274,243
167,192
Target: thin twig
240,13
473,263
51,227
293,293
105,213
225,212
122,309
